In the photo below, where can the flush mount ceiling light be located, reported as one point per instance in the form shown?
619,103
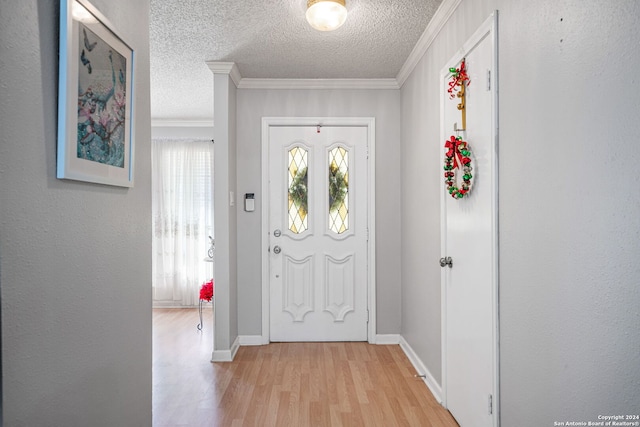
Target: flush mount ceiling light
326,15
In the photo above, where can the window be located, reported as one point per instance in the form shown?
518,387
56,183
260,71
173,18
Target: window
182,200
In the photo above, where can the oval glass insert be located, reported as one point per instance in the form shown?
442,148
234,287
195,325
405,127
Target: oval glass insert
297,192
339,190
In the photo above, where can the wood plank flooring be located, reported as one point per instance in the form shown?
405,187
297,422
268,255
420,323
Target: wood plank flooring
282,384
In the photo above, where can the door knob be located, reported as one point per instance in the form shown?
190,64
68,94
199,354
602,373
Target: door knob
277,250
446,261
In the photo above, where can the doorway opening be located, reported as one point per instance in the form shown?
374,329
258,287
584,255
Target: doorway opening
182,222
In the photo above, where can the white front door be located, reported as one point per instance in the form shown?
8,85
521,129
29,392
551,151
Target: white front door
469,237
318,223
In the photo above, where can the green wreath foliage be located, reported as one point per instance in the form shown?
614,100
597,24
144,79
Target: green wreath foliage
338,188
298,190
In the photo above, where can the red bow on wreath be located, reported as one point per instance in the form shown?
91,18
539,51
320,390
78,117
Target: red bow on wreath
455,148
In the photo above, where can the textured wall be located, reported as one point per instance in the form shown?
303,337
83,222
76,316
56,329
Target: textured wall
75,259
570,213
384,105
569,208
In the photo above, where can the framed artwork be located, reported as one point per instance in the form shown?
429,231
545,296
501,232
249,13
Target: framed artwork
95,98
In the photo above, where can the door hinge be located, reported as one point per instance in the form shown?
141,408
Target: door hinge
367,315
490,404
488,80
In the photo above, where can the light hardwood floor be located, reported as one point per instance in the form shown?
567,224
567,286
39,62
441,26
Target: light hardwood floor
282,384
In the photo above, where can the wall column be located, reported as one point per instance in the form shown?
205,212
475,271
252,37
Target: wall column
225,78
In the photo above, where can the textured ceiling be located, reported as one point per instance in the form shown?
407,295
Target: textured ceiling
271,39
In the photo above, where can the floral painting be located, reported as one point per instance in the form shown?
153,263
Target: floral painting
95,98
102,100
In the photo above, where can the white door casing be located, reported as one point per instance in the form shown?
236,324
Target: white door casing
470,238
319,285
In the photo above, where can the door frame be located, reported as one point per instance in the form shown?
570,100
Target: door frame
489,28
369,123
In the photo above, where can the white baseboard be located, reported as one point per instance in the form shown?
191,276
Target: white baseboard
387,339
226,355
172,305
428,379
251,340
234,347
221,356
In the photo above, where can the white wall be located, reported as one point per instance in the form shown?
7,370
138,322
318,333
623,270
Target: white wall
75,260
384,105
569,206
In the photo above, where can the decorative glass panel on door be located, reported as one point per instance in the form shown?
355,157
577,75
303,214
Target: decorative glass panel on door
338,190
298,190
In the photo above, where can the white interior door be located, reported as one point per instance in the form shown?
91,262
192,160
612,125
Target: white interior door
469,237
318,233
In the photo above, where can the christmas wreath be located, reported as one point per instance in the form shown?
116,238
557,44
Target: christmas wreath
298,190
338,188
457,156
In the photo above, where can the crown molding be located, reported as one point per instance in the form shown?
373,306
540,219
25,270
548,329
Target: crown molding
229,68
440,18
255,83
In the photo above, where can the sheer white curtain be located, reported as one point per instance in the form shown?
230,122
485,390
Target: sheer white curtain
182,198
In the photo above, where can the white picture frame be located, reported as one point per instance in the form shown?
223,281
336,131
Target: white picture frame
95,98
